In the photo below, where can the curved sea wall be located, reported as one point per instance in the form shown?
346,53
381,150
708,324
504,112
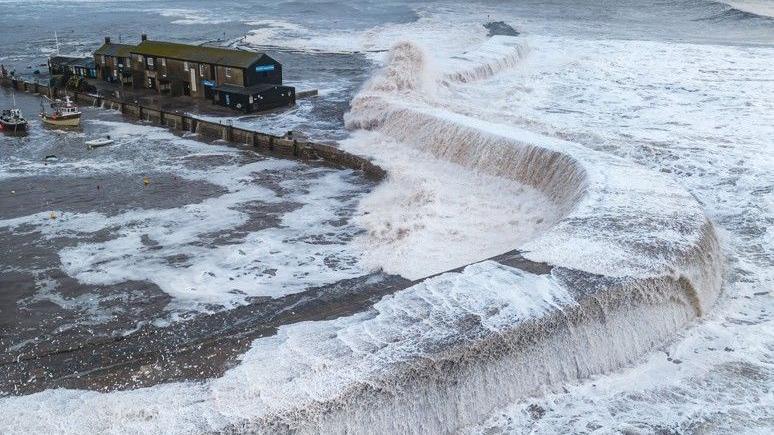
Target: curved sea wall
630,262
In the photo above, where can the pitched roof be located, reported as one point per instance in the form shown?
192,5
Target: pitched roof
197,53
61,60
115,50
86,62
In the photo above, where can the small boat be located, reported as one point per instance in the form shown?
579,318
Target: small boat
94,143
66,114
12,120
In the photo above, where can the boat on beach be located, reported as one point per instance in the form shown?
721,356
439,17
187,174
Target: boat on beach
65,113
12,120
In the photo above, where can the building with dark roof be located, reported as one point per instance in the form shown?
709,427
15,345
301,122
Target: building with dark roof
243,80
114,62
68,65
60,64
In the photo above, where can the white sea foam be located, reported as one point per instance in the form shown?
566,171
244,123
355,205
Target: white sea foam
174,247
193,16
306,363
427,205
437,24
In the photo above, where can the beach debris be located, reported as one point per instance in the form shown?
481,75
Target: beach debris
146,180
52,215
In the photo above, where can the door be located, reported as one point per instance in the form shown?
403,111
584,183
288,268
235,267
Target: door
186,89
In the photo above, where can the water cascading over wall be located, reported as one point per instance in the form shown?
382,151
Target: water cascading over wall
633,251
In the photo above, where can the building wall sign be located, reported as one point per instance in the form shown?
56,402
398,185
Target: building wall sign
264,68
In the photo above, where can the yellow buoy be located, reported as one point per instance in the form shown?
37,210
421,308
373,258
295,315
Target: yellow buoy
146,180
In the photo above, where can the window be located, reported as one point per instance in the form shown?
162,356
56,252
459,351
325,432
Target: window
201,69
185,66
102,59
228,72
150,61
139,58
163,61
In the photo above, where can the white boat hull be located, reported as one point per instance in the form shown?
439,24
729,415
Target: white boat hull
69,121
98,143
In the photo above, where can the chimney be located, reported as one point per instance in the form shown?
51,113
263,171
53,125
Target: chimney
107,39
143,37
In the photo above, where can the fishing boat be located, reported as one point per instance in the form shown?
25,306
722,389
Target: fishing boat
65,114
94,143
12,120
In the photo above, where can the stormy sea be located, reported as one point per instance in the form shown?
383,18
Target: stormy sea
575,232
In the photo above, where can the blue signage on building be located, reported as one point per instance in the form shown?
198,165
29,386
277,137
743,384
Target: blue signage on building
208,83
264,68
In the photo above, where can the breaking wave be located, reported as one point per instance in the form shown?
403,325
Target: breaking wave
742,10
758,8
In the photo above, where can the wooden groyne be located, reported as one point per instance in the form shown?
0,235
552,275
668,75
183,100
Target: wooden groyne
282,146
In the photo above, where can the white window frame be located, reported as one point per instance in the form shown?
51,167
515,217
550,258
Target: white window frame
228,72
201,69
164,61
185,66
150,61
102,59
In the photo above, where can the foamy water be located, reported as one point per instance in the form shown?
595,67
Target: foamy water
663,133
